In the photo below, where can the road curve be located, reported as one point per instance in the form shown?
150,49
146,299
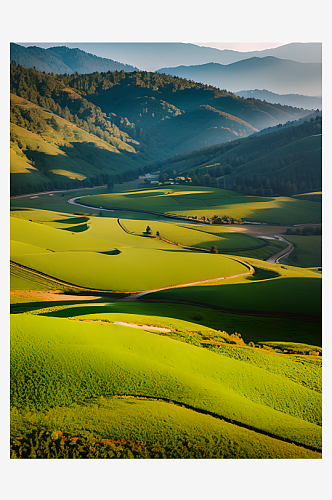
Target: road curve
159,215
283,253
55,191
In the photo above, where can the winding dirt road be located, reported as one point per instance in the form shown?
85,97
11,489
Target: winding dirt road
283,253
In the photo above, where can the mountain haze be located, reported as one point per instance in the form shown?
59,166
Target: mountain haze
299,101
150,56
277,75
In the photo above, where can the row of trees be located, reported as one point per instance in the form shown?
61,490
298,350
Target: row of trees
305,231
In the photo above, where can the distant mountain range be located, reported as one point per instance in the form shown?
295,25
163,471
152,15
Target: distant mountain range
278,75
152,56
296,100
63,60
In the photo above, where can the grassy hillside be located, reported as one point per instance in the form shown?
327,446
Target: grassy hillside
120,361
111,264
58,154
295,291
307,251
140,428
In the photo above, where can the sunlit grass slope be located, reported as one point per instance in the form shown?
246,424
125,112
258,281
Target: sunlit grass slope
295,291
75,360
84,259
206,201
186,236
305,372
166,430
133,269
53,239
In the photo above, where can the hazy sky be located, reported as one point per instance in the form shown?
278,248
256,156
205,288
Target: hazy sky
241,46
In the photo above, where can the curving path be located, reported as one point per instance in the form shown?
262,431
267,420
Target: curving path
283,253
138,295
274,259
159,215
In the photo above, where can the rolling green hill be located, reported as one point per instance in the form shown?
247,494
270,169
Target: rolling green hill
294,291
120,362
108,264
307,251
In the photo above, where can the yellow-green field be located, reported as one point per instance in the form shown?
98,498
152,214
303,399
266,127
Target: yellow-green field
234,370
206,202
78,360
84,259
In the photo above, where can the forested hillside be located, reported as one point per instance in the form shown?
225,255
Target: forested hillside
63,60
119,124
286,162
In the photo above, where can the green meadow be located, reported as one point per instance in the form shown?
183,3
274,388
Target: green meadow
199,202
77,361
234,370
154,429
294,291
307,251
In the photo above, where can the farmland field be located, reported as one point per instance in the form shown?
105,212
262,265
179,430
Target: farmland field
234,370
206,202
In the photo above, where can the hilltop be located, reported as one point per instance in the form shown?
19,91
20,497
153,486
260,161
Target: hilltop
63,60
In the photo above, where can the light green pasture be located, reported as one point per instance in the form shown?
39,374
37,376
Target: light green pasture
77,360
194,238
132,270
